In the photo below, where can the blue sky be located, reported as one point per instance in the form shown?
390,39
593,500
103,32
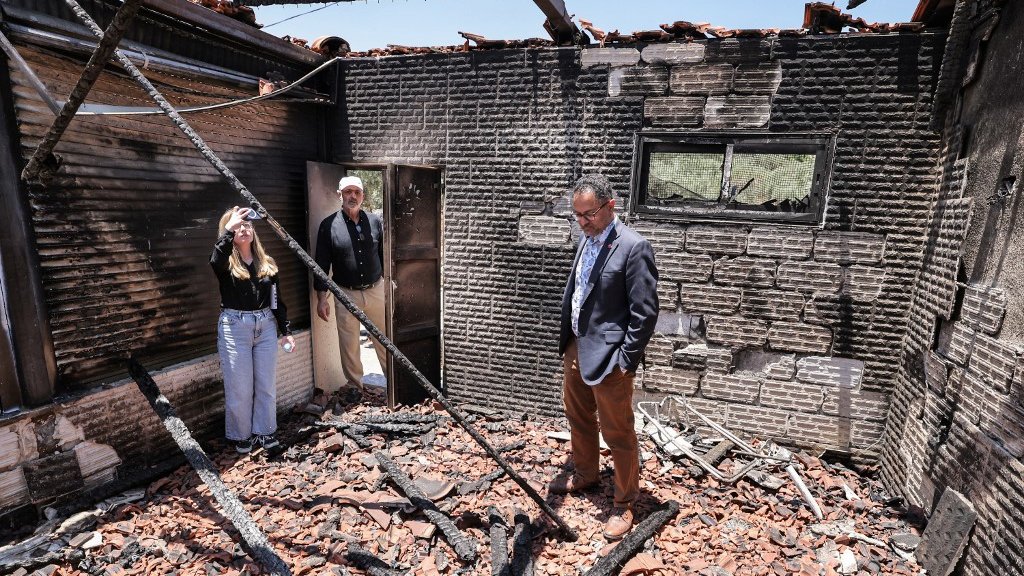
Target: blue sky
376,23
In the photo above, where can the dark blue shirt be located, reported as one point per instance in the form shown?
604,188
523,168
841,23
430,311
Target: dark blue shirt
352,252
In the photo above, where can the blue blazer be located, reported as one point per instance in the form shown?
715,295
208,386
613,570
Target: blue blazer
619,308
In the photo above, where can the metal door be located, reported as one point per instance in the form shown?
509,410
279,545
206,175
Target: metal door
412,230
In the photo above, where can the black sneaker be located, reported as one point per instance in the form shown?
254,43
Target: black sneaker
242,446
266,440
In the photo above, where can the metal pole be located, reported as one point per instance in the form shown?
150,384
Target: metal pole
108,44
34,80
400,358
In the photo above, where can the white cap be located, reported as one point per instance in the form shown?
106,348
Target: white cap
350,181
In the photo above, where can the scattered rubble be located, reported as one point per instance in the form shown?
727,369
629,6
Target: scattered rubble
328,508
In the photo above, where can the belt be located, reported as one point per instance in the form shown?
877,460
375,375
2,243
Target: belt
262,313
362,286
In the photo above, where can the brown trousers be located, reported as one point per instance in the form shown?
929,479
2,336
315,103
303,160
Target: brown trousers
371,302
608,408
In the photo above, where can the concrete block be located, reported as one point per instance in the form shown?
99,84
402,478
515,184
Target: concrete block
944,539
544,230
684,267
830,371
736,331
961,343
738,50
772,304
849,247
718,240
788,395
703,79
810,276
737,111
681,325
863,283
781,243
984,308
659,350
757,78
637,81
674,111
782,369
668,295
669,380
708,299
745,271
13,488
856,404
799,337
994,361
740,387
829,309
673,53
96,459
936,372
818,430
720,360
609,57
53,476
691,357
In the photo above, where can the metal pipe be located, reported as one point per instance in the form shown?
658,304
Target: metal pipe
93,69
34,80
374,331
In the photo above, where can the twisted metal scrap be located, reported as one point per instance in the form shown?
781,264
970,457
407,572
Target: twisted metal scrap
374,331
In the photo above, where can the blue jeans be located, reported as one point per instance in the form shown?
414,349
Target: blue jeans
247,342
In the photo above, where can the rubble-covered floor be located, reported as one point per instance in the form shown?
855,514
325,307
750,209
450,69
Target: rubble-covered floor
322,490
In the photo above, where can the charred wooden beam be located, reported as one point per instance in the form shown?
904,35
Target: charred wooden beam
713,457
522,547
30,74
97,62
374,566
499,543
611,564
464,546
559,23
566,531
329,528
252,537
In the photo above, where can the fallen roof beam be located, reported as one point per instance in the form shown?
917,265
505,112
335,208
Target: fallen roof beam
258,546
610,564
559,23
97,62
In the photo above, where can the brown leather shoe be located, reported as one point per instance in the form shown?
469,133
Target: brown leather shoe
620,522
569,484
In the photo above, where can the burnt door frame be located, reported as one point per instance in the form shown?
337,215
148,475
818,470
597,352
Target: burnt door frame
397,390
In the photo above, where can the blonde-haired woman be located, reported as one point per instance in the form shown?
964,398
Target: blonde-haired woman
252,317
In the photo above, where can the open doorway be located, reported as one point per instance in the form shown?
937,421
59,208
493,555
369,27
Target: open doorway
408,199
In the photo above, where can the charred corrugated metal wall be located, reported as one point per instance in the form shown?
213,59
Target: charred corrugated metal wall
957,418
124,230
779,330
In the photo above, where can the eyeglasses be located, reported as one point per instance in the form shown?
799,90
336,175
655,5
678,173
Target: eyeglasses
247,225
590,214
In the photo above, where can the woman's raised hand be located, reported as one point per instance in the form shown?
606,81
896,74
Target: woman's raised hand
238,216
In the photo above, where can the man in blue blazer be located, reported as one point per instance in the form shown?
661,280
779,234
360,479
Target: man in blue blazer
609,311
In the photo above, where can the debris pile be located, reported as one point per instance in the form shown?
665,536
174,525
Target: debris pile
231,9
357,489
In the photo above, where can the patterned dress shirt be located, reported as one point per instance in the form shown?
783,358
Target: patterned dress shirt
591,249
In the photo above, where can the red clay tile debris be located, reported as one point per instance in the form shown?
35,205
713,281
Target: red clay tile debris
325,507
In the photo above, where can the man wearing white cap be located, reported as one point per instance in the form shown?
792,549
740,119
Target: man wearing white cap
350,247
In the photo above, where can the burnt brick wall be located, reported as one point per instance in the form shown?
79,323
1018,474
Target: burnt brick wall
740,302
957,416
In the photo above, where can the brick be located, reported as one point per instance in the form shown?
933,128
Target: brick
961,343
984,308
708,299
681,325
685,267
863,283
737,111
772,242
704,79
609,56
673,53
691,357
865,433
849,247
788,395
720,360
671,380
637,81
659,350
719,240
736,331
936,372
668,295
13,488
745,271
739,387
757,78
830,371
799,337
994,361
53,476
818,430
856,404
674,111
544,230
772,304
810,276
737,50
782,369
829,309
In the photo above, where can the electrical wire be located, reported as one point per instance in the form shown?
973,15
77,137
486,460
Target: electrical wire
302,14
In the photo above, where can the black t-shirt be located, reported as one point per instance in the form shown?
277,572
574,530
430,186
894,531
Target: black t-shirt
352,252
253,294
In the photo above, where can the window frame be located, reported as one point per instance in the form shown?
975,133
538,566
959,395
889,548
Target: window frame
822,145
